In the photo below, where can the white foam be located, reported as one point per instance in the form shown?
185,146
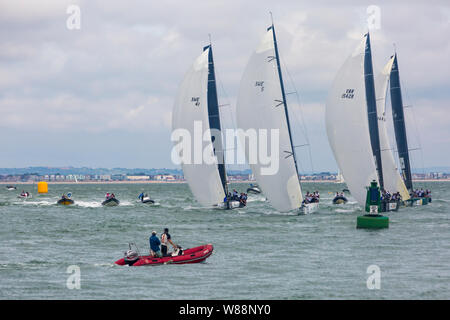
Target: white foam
88,204
344,210
257,198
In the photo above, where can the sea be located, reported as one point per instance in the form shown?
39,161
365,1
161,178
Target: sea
50,251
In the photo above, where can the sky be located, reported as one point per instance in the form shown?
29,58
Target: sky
102,95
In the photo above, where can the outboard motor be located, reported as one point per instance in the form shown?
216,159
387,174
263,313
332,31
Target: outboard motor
131,256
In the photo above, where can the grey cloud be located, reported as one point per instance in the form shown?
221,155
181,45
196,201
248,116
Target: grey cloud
121,71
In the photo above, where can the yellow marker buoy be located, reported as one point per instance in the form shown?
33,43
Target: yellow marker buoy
42,187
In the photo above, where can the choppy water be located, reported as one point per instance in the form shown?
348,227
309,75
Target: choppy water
259,253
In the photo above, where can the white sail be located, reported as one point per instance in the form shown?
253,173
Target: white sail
260,107
191,106
393,182
339,177
348,128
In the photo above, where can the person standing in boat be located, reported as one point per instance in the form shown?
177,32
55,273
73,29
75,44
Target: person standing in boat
243,199
165,239
141,196
155,251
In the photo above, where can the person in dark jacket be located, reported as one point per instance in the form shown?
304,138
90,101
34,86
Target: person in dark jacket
155,251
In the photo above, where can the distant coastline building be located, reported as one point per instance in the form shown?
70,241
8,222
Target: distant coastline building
118,177
138,178
164,177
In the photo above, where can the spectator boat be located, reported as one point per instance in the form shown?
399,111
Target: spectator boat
192,255
110,202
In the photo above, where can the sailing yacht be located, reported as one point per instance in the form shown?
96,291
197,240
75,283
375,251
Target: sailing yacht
197,104
356,109
261,105
404,182
351,112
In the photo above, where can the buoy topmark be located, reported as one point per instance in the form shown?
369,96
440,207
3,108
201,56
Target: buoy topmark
42,187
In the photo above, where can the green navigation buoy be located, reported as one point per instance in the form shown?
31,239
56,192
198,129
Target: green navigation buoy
373,220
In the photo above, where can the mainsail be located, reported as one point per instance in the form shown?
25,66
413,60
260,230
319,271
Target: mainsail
393,182
399,124
347,125
261,105
372,110
196,105
214,119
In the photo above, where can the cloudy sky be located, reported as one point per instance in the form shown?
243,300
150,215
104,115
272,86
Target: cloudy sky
102,95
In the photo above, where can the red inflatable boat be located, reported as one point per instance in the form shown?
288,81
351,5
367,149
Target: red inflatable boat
192,255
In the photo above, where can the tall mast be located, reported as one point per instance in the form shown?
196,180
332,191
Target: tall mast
372,110
283,94
214,119
399,124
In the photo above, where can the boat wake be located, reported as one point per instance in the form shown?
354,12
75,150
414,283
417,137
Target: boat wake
36,203
345,210
256,198
105,264
126,203
88,204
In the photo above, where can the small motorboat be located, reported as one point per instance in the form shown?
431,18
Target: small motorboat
192,255
308,208
310,203
144,198
65,201
11,188
147,200
254,189
25,195
110,202
339,200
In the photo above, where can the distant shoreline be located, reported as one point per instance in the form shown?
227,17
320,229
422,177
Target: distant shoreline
175,182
